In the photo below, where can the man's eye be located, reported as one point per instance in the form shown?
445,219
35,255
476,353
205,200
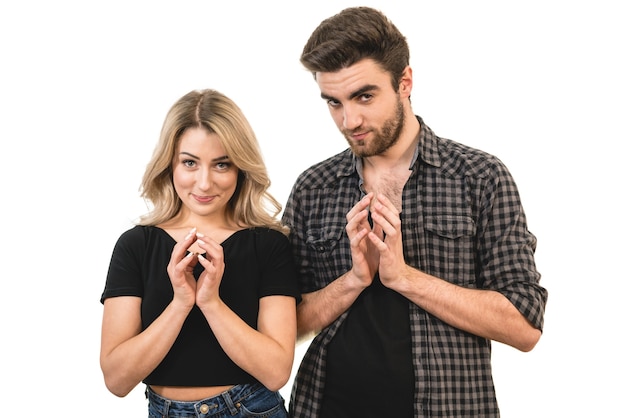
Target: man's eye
332,103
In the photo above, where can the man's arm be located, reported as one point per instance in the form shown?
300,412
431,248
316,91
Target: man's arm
486,313
319,309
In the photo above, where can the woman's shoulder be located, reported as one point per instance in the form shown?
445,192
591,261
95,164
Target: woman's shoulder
267,233
141,234
261,236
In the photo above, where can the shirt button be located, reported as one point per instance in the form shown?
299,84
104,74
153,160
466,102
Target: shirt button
204,408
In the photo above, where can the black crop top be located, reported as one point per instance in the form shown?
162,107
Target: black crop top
258,263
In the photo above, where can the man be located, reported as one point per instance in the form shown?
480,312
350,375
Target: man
413,250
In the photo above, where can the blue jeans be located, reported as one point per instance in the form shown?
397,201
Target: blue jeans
248,400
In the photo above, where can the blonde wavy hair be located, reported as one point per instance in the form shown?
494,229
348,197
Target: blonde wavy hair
251,205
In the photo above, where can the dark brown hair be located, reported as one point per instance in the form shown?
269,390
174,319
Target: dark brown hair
354,34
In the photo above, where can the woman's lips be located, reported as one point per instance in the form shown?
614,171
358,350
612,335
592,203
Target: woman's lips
203,199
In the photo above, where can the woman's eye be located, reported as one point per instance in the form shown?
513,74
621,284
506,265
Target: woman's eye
223,166
189,163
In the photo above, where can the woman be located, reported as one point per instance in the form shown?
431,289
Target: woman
200,298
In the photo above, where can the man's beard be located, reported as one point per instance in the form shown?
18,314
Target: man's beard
384,139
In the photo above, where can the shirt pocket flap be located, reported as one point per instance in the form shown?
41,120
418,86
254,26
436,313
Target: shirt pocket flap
450,226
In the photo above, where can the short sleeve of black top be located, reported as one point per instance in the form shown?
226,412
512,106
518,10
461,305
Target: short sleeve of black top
258,263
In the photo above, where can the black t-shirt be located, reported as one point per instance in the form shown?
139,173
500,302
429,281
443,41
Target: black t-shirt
258,263
369,359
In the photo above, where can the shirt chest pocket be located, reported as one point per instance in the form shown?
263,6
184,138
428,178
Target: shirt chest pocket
450,248
329,252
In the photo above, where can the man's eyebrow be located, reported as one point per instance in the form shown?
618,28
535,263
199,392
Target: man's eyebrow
365,89
327,97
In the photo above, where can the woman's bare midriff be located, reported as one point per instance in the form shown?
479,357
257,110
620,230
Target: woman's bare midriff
189,394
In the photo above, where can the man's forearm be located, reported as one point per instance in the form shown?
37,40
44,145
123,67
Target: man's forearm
319,309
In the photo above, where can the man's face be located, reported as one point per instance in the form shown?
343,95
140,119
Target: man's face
366,108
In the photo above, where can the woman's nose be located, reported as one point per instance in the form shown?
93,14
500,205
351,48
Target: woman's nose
204,179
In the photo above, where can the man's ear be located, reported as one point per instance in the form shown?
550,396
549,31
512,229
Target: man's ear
406,82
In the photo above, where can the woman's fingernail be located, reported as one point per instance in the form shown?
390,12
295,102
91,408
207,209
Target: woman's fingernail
193,231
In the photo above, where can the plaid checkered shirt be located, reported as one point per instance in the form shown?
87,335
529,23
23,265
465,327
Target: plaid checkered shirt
462,221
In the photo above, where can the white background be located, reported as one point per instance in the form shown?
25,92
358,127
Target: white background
84,88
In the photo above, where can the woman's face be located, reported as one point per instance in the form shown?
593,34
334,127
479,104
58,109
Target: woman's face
204,177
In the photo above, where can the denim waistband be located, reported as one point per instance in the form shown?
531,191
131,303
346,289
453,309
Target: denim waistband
225,401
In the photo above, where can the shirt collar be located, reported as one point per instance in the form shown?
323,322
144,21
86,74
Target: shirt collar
357,162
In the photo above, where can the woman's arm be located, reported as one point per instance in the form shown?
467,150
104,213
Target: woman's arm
128,355
266,353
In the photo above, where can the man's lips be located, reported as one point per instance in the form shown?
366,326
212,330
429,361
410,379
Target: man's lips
357,136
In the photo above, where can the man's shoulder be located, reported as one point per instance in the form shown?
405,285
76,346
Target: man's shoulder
326,172
459,158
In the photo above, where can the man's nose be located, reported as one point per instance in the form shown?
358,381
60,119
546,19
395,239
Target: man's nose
351,117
